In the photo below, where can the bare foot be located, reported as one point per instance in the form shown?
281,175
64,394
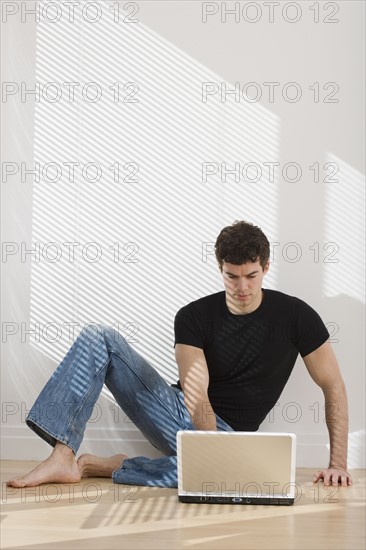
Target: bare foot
59,467
99,466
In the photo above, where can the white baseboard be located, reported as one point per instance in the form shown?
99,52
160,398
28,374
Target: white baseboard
20,443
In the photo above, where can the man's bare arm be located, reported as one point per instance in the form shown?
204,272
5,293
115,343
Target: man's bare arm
324,370
194,379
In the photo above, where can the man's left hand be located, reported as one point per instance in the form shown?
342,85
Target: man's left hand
333,476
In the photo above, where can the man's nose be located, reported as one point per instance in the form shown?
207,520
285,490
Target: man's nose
243,284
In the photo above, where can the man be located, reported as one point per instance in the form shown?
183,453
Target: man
235,351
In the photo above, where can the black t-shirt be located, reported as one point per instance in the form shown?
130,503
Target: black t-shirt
249,357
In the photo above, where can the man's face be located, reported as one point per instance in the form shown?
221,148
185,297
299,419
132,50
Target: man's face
243,285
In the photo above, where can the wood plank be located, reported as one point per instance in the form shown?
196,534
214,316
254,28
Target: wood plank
96,513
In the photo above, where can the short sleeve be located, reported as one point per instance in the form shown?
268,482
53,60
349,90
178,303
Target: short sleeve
311,330
188,328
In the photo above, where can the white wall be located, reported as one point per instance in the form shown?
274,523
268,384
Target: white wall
169,214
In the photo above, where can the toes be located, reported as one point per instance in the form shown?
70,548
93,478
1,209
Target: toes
17,483
81,461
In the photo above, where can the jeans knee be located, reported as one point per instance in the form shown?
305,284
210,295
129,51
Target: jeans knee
92,330
94,333
99,332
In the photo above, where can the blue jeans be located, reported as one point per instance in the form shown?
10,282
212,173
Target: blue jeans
100,355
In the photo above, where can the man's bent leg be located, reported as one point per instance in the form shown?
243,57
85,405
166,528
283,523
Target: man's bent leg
100,355
65,404
62,409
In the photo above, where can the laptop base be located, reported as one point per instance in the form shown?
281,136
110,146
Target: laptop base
236,500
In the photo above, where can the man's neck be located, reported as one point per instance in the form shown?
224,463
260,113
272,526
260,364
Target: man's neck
244,310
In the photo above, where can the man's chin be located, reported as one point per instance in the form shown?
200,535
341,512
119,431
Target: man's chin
243,299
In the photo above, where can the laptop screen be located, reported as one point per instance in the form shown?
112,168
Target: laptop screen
236,463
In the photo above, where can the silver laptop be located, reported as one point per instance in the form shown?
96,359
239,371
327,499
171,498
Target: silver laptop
236,467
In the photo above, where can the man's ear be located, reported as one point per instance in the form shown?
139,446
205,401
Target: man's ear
266,267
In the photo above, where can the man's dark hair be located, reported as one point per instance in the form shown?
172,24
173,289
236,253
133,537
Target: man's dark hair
240,243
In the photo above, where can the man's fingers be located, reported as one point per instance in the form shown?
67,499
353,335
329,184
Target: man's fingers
327,480
323,475
333,477
317,476
344,481
326,475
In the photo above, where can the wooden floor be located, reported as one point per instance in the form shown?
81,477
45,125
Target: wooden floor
99,514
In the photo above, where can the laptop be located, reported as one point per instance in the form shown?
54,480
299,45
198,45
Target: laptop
236,467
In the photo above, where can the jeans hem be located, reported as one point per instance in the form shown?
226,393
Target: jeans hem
45,434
